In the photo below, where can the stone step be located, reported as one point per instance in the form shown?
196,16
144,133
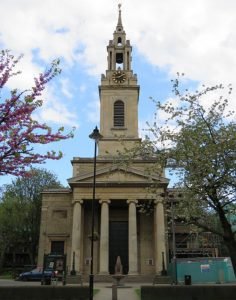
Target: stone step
158,279
80,279
74,279
127,278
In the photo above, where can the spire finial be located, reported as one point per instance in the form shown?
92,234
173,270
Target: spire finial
119,19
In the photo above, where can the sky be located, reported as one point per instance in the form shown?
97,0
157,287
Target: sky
197,38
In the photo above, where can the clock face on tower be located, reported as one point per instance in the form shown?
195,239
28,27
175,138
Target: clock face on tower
119,76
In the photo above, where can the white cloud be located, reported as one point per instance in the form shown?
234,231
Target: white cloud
55,111
93,110
66,87
194,37
58,115
25,80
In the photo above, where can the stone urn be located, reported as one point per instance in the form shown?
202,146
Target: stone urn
118,276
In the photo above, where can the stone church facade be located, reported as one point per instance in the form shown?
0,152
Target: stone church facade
139,240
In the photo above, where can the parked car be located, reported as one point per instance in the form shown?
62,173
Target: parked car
36,275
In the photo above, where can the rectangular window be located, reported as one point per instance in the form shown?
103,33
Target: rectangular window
57,247
119,114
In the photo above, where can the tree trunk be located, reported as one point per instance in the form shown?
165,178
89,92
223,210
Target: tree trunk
228,236
231,245
2,255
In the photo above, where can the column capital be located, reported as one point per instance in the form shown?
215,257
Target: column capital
129,201
104,201
158,201
80,201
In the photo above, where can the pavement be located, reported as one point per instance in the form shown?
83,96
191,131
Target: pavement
126,291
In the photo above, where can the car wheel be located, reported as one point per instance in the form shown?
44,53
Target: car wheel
25,278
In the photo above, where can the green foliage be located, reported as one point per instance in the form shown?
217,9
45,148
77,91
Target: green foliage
194,136
138,292
197,143
6,275
95,291
20,210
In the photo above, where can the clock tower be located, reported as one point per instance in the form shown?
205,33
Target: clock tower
119,94
121,231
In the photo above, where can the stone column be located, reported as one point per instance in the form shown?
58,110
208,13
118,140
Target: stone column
160,241
76,244
104,237
133,243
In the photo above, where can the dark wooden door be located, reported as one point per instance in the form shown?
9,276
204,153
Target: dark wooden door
118,245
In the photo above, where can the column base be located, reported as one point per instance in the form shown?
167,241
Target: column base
159,273
103,273
133,273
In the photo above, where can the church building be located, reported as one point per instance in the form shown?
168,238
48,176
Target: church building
119,228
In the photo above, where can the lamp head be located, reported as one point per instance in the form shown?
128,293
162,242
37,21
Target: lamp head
95,135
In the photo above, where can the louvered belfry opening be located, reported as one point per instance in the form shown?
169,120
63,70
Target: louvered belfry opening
119,114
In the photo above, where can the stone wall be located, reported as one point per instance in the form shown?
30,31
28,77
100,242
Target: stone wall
56,222
203,292
44,292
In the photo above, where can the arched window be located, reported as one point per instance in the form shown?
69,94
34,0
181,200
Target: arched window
119,41
119,114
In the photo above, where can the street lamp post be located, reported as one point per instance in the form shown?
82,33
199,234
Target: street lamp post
169,197
173,242
95,135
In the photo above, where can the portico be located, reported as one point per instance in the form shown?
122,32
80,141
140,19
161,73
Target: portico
114,213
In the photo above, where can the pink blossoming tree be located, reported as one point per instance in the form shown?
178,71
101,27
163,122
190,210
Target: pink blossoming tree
18,130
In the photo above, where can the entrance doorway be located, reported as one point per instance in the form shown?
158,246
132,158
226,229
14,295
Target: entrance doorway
118,245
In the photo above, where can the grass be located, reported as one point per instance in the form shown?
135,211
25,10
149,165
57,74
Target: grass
138,292
95,291
6,275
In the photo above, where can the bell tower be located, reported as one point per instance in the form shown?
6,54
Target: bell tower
119,94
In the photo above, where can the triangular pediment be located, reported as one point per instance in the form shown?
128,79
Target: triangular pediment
117,174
